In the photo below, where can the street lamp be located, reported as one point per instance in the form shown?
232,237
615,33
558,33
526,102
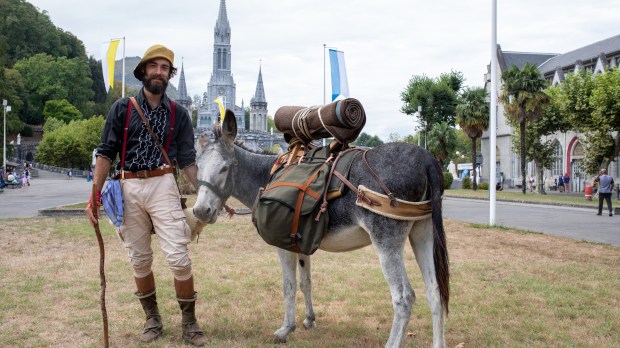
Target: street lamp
7,108
19,148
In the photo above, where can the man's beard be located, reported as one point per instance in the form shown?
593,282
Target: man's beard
155,88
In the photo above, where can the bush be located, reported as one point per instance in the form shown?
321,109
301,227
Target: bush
467,183
483,186
447,181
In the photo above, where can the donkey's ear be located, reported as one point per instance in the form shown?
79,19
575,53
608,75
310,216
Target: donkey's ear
229,127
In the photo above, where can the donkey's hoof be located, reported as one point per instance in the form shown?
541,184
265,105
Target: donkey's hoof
281,336
309,324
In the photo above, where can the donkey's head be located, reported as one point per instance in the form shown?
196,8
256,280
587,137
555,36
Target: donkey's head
216,170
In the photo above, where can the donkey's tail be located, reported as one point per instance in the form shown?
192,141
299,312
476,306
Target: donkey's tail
440,250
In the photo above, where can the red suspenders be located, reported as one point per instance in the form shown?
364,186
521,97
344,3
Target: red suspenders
128,116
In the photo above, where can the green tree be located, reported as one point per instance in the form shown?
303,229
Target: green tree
25,31
472,115
437,97
48,78
61,110
442,141
71,145
605,137
365,139
523,97
51,124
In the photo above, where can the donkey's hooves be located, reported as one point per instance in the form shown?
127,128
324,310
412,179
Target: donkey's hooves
309,324
281,336
279,339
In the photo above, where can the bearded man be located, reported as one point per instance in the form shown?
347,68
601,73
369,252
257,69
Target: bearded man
150,193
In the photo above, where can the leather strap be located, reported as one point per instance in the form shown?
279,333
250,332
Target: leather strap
148,127
143,174
126,129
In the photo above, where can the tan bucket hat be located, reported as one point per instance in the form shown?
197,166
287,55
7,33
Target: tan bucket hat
153,52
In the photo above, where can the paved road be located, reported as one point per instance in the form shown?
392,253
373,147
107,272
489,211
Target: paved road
576,223
47,190
52,190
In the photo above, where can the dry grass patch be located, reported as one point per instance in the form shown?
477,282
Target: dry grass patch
509,289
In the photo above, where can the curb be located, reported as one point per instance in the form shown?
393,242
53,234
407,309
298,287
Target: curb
569,205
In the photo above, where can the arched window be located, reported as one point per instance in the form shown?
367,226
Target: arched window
556,166
219,59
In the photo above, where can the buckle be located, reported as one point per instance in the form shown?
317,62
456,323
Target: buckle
142,174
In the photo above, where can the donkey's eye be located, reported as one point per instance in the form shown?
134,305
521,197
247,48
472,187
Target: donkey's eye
224,169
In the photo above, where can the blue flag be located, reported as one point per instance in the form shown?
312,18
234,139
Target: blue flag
340,84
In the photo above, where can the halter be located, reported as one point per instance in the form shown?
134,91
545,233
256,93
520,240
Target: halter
229,182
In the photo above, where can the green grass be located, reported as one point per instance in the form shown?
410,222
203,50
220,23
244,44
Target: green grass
508,289
529,197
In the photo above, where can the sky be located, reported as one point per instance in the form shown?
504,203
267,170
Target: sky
385,43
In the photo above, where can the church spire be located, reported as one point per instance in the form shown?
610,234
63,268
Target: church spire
259,95
182,85
222,18
184,99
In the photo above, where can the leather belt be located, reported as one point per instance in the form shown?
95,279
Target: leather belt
143,174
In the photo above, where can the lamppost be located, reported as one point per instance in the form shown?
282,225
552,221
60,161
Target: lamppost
7,108
19,149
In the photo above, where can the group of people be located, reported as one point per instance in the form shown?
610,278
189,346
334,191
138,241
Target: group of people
563,183
14,178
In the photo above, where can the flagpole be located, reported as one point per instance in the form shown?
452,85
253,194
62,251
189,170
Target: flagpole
123,90
324,46
493,115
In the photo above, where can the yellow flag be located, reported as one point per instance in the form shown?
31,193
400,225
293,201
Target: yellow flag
108,58
218,100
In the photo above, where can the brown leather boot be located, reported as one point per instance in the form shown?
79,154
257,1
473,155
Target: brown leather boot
186,296
153,327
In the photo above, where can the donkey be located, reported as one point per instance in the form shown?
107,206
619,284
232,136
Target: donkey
226,169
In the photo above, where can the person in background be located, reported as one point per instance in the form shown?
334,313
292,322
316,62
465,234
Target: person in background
566,182
561,183
151,196
605,186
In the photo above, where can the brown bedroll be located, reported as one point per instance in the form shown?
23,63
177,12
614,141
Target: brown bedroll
342,120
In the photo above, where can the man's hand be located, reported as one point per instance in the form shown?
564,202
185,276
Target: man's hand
93,214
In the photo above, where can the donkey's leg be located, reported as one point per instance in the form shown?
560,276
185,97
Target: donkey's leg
305,284
421,239
389,247
288,261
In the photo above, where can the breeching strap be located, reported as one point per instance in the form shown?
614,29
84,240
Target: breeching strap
104,312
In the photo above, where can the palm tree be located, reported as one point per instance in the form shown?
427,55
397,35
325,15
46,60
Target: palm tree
472,115
442,141
523,98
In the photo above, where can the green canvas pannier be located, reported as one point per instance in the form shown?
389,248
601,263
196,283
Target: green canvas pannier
287,211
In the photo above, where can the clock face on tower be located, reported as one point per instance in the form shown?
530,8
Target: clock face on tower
221,90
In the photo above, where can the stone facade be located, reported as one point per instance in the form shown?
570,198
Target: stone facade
596,57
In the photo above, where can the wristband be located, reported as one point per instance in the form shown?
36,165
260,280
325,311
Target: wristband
90,199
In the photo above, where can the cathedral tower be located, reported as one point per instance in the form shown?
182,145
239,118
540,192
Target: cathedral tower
258,106
221,83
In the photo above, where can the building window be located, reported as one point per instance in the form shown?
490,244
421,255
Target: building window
556,166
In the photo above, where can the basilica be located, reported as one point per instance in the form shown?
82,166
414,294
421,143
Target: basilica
221,85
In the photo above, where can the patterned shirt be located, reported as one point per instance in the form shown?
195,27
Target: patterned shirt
142,152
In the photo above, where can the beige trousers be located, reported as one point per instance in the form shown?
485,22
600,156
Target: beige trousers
153,204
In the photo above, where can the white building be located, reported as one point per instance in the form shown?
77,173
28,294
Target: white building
596,57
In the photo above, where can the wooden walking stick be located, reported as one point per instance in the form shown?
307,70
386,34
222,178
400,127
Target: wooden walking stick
104,312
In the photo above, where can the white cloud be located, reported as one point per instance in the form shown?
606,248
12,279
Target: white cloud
385,43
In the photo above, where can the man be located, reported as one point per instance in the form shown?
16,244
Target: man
150,194
605,186
561,183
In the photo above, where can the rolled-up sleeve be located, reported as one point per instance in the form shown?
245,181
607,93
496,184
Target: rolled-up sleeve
112,136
